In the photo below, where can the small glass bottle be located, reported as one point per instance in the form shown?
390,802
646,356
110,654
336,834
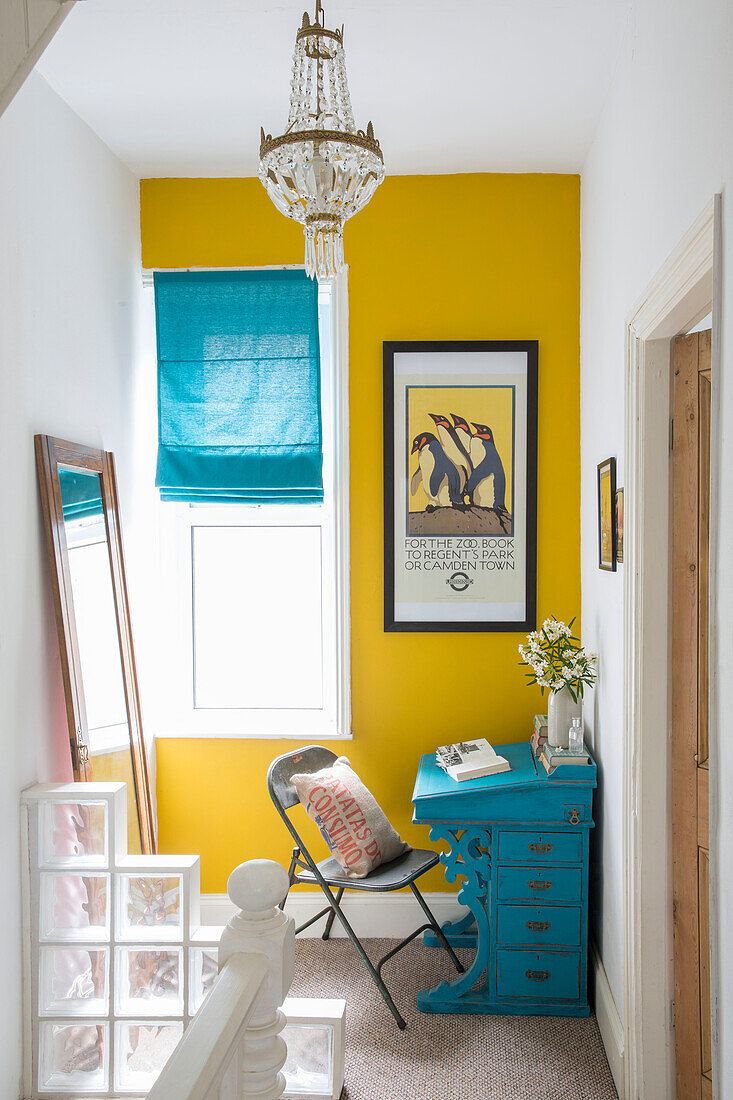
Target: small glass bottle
575,737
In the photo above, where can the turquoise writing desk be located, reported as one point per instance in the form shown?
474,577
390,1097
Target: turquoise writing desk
520,842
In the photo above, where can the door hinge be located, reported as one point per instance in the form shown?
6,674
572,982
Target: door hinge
671,434
82,749
672,1019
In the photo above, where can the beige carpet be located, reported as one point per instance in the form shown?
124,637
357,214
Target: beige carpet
447,1057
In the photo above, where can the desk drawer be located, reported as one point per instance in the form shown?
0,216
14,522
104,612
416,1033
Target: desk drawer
541,847
544,925
553,975
540,883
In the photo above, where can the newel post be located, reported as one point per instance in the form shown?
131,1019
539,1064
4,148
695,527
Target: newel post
256,888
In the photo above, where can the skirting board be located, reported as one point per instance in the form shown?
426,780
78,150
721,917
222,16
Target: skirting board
380,917
609,1021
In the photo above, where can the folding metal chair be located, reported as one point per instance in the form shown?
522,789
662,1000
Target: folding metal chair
400,872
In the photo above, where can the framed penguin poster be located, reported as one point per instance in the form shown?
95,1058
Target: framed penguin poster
460,485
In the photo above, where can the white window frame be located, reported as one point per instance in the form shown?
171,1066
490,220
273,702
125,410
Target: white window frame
179,717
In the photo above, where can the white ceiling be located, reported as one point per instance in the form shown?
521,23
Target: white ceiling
181,87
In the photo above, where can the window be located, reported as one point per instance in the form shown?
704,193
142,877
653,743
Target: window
256,595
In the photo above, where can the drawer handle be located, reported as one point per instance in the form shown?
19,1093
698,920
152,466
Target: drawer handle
538,925
538,975
539,884
541,849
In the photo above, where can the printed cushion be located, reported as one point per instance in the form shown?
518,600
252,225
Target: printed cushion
351,820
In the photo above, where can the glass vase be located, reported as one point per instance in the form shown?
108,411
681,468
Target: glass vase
561,709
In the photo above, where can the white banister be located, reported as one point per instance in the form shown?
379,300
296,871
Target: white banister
238,1026
257,888
195,1070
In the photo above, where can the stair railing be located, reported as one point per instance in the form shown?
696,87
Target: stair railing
233,1049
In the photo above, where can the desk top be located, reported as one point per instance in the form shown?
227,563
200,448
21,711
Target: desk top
435,791
433,782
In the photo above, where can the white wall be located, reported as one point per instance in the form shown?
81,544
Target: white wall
69,311
663,147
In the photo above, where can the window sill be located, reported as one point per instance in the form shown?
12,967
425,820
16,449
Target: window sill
225,735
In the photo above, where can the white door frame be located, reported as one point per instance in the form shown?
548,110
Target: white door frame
680,295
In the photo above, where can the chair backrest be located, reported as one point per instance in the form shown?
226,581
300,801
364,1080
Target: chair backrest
308,760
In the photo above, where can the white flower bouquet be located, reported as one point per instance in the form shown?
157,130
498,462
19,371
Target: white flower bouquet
558,660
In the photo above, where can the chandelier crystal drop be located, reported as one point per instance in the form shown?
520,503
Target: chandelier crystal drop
322,170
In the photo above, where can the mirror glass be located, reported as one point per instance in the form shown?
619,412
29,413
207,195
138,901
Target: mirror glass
97,633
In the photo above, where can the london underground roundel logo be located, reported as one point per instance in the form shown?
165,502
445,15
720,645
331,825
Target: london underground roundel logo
459,582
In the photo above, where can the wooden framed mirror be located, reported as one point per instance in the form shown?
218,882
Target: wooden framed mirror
84,540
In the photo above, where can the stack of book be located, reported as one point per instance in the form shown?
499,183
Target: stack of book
553,758
538,740
470,760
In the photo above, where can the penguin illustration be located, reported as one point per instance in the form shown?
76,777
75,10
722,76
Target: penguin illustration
463,432
486,462
439,476
456,451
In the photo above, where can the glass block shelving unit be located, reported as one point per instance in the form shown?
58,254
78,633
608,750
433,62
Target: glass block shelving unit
315,1037
118,961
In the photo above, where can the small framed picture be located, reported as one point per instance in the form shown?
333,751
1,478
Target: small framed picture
619,525
607,514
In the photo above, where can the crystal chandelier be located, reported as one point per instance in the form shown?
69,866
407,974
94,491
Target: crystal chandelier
322,170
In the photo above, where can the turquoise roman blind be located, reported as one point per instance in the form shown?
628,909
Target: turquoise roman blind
81,493
239,402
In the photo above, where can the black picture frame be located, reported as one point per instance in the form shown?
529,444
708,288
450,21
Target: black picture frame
607,561
531,349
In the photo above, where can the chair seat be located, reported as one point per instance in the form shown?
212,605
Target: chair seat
388,876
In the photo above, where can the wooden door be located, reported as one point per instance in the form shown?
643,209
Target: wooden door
689,739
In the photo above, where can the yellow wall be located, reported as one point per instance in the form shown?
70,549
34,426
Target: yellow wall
116,767
463,257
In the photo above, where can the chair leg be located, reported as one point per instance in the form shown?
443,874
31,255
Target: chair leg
376,977
332,915
438,930
291,874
